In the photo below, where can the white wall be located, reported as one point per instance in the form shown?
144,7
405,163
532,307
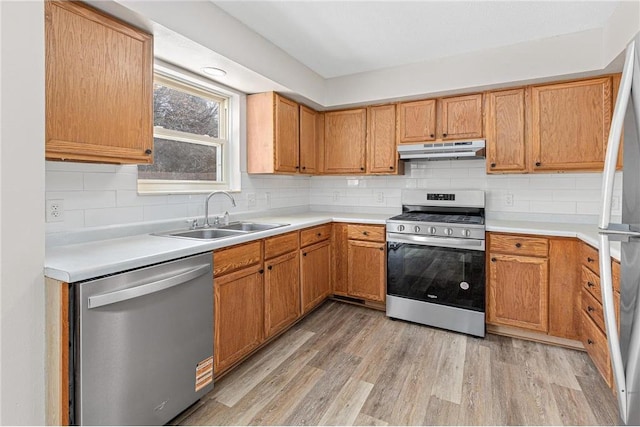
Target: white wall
541,197
22,338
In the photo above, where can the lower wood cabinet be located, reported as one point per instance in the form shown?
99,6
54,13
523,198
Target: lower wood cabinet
238,315
281,282
315,274
564,289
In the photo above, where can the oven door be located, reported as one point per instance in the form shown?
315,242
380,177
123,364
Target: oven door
438,270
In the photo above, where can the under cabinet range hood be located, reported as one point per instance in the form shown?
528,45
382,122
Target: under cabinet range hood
443,150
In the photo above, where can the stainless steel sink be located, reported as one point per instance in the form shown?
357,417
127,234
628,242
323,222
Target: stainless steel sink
204,233
250,226
220,232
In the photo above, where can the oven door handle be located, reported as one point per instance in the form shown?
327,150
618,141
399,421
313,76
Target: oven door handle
447,242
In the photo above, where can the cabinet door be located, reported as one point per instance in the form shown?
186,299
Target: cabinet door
339,247
309,140
344,141
382,154
315,272
282,292
564,289
570,125
286,135
460,117
99,87
367,270
417,121
505,131
518,292
238,315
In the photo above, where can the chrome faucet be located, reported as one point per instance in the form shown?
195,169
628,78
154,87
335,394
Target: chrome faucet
206,205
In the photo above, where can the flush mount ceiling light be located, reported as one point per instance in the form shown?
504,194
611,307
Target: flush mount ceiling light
214,72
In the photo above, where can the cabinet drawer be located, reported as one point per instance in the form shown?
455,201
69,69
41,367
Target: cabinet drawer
595,341
313,235
372,233
589,257
591,282
531,246
279,245
236,257
593,308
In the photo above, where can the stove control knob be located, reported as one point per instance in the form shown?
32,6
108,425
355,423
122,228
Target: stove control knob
416,229
432,230
448,231
466,233
401,228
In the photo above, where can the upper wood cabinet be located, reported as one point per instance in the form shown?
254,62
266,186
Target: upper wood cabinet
382,152
570,124
99,87
506,131
272,134
460,117
344,141
457,117
311,139
417,121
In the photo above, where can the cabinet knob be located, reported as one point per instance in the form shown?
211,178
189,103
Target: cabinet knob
270,267
319,234
261,271
366,233
590,259
590,284
432,135
381,248
518,245
148,151
361,168
589,308
297,167
304,254
304,168
589,341
444,135
493,165
538,164
391,167
493,260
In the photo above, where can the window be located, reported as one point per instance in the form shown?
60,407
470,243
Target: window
191,140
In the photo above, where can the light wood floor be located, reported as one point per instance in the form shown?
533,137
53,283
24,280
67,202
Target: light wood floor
347,365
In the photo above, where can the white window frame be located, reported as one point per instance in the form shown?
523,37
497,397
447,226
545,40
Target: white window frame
227,177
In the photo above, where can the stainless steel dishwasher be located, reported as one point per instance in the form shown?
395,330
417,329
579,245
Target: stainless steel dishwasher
142,343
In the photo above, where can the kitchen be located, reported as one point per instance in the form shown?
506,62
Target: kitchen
23,319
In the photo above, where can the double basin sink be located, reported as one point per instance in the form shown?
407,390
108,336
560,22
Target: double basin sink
222,231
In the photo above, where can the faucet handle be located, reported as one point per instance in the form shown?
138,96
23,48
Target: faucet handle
193,223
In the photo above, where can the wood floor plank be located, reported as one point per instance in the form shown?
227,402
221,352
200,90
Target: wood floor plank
347,404
285,402
558,366
366,420
442,413
259,366
573,406
476,386
450,369
603,404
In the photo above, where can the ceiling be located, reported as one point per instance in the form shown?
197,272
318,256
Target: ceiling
338,38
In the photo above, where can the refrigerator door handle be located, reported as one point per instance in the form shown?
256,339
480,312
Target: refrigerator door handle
613,338
613,143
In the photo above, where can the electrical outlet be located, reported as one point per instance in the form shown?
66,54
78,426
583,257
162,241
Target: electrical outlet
251,200
616,206
268,197
336,196
380,197
55,210
508,200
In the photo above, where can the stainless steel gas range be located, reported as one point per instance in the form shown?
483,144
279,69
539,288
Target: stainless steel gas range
436,260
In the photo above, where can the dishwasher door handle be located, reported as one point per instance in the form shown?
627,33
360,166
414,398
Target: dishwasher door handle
148,288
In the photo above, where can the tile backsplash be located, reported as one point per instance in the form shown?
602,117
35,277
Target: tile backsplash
106,195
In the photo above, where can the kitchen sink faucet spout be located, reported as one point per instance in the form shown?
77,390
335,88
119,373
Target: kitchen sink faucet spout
206,204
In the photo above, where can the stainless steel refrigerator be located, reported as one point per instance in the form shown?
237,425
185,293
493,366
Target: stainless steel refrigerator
625,346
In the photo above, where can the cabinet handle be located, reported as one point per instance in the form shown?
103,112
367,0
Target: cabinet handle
590,259
493,260
518,245
589,308
589,341
147,151
261,271
538,164
590,284
493,165
444,135
270,267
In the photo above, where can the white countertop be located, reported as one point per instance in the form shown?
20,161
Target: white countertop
82,261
